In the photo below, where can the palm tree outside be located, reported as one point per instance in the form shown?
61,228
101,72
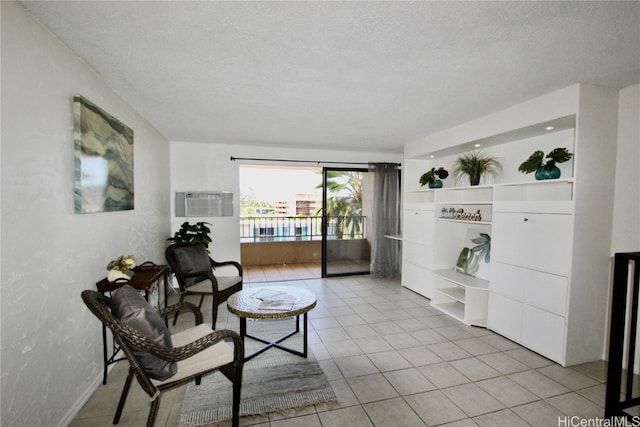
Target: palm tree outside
344,204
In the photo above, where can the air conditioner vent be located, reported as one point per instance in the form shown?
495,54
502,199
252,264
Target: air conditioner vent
204,203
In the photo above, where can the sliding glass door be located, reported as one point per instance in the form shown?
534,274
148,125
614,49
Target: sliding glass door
345,248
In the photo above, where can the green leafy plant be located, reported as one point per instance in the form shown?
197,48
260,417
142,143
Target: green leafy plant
476,165
483,246
470,258
536,160
345,203
430,176
192,233
124,263
467,262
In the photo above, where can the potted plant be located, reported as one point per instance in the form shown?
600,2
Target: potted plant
192,233
548,170
121,268
434,177
476,165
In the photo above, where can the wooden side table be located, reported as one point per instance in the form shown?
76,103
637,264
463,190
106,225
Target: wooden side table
145,277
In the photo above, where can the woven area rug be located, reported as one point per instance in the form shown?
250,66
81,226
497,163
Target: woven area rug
274,381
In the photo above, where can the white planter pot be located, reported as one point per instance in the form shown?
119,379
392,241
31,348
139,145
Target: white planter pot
116,274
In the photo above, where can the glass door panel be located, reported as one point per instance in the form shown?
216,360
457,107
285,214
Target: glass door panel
345,248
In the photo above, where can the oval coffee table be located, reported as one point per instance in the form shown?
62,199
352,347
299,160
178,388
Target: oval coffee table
271,303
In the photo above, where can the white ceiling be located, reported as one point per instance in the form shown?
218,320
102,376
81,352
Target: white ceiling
341,75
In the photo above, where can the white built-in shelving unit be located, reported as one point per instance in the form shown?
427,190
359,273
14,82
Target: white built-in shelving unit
459,295
548,279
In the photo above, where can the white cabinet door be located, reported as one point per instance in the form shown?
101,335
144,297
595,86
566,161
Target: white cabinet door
418,226
507,280
505,316
546,291
416,278
544,332
536,241
532,287
417,253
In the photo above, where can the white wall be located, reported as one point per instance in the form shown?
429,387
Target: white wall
51,344
196,166
625,236
626,205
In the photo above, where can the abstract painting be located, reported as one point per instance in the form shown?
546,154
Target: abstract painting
103,173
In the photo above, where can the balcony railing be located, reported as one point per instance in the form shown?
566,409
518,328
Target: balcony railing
292,228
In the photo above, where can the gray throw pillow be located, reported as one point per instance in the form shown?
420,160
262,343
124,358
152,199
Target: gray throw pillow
192,259
133,310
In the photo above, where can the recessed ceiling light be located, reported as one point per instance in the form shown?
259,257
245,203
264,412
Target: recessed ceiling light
432,156
477,145
550,128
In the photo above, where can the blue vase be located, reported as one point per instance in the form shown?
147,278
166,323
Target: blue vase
435,184
542,173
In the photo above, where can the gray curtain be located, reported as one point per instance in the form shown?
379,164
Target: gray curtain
385,213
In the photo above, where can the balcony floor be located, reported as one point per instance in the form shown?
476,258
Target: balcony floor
280,272
303,271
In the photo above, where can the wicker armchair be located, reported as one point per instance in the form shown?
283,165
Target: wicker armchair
198,351
194,268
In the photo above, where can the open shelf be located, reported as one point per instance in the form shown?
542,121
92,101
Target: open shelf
453,276
456,293
465,195
460,296
453,309
418,197
551,190
467,212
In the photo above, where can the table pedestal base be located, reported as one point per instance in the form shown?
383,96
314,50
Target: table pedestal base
276,343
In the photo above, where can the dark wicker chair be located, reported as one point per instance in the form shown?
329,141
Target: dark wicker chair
198,351
194,268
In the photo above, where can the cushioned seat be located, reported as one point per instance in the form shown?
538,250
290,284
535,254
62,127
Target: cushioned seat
224,282
208,359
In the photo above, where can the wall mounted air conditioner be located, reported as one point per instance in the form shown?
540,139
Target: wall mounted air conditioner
204,203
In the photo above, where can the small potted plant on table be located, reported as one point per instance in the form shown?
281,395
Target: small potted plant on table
121,268
434,177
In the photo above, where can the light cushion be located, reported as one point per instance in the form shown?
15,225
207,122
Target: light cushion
211,358
134,311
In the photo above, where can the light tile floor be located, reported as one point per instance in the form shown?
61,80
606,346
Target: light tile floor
395,361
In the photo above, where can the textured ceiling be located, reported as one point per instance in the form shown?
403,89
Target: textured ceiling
341,75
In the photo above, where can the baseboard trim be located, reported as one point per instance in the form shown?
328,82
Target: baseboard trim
77,406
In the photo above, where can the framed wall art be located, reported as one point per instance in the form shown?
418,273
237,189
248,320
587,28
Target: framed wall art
103,170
